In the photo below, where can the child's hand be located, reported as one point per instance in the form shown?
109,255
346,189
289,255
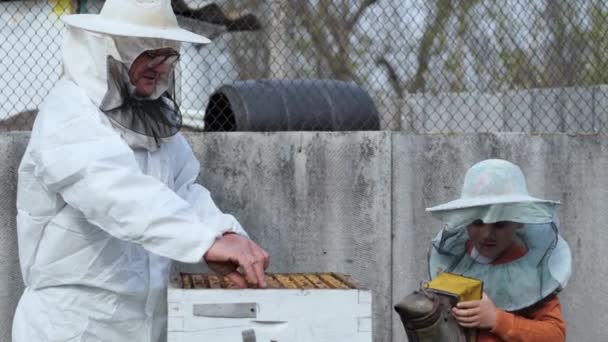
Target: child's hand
476,313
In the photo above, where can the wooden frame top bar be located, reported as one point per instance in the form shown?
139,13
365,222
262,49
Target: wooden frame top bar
273,281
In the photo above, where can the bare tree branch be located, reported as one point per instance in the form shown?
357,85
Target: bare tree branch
444,11
335,25
318,24
350,24
393,77
314,29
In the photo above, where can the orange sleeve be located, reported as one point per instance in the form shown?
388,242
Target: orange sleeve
543,324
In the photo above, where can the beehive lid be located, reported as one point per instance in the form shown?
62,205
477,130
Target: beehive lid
273,281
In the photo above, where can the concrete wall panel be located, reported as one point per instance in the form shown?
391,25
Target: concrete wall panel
316,201
12,147
454,112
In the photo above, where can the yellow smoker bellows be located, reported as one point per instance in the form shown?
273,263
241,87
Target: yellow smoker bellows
464,287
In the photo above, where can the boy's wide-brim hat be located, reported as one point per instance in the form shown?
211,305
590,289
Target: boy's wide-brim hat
135,18
489,182
494,190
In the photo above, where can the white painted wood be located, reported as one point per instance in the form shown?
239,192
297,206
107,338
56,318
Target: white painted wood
283,315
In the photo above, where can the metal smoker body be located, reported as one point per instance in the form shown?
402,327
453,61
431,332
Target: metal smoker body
427,317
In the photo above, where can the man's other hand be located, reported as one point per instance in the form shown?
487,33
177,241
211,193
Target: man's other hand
239,259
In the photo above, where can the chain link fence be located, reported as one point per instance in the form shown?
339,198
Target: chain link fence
446,66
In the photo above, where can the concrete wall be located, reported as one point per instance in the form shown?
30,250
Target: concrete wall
11,285
354,203
569,110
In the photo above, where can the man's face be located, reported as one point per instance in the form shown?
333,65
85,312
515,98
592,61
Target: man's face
491,239
149,67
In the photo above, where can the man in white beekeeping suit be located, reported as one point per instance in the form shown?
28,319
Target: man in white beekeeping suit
107,193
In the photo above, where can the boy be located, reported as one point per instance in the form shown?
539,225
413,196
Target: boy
498,233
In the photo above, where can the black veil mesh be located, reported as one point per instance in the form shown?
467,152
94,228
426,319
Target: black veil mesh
157,118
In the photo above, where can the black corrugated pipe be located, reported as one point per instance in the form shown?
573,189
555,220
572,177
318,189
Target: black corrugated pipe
291,105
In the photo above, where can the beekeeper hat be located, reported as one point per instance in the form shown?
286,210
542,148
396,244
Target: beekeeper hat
492,181
494,190
136,18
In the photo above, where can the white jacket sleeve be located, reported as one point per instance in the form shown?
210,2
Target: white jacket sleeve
187,171
95,171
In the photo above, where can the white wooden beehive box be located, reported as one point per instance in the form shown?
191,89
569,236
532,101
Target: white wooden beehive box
315,307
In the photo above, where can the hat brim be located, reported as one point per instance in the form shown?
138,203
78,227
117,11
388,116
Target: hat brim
463,203
98,24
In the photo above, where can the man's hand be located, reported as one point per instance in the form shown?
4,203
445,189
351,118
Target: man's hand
476,313
232,253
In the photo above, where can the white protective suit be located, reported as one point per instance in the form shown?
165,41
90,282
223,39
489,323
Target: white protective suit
99,220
